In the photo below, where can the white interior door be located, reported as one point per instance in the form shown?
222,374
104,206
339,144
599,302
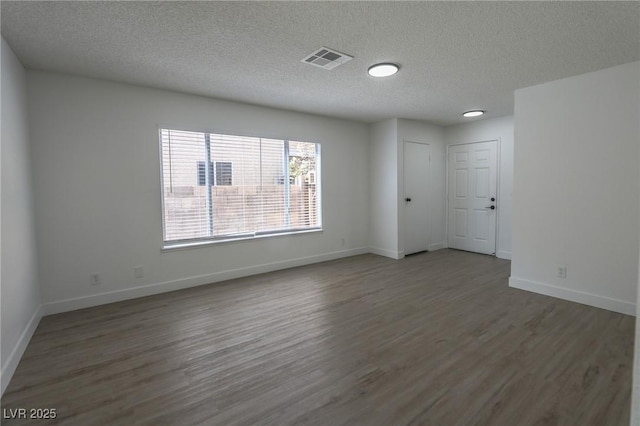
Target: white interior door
416,197
472,196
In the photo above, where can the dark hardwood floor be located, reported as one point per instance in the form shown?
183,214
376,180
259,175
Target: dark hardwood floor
434,339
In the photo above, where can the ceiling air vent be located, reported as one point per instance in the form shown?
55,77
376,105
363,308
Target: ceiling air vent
327,58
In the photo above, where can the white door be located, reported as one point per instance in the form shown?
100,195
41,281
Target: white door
473,196
416,197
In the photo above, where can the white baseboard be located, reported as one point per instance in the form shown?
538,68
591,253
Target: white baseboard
574,296
400,254
387,253
18,350
502,254
436,246
151,289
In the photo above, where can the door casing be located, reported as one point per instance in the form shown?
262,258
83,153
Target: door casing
427,194
498,188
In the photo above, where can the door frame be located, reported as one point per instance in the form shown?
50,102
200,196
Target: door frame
498,188
402,197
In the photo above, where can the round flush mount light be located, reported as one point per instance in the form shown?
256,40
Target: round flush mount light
383,70
474,113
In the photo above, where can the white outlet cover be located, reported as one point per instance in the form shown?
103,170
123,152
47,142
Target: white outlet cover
139,271
562,272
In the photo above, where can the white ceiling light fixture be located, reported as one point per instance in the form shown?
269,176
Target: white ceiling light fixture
473,113
383,70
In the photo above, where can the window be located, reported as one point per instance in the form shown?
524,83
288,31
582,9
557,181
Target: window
252,187
223,174
202,178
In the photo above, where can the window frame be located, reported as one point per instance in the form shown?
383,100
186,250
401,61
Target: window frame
249,236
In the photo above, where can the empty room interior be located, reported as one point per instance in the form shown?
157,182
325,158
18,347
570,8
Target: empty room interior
324,213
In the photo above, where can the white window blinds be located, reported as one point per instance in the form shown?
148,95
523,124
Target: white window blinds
223,186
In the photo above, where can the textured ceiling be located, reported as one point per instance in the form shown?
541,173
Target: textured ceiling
454,56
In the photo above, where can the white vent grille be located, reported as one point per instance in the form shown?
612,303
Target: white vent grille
327,58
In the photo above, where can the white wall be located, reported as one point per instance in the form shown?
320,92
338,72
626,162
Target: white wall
386,177
418,131
97,187
19,276
635,396
500,129
576,187
383,189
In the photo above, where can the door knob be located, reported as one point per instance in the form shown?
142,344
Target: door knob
407,199
491,207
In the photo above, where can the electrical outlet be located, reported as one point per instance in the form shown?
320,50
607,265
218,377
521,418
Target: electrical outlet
562,272
96,278
342,242
138,271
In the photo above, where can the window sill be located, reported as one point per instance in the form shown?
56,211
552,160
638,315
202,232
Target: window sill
168,247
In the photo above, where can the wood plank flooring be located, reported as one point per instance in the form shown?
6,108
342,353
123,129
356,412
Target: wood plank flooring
433,339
